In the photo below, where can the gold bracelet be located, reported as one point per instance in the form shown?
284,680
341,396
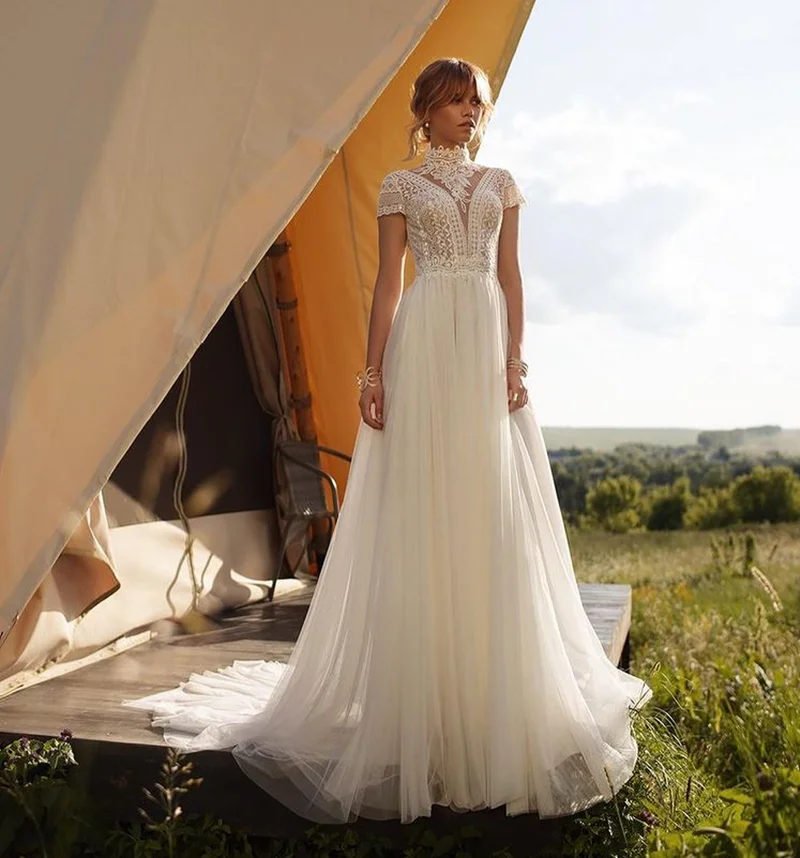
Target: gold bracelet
516,363
369,377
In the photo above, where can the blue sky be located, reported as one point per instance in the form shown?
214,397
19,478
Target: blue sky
658,145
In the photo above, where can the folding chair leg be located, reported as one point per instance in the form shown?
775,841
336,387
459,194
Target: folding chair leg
287,536
282,555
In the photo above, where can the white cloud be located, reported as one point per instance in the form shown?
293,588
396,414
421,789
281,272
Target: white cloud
583,155
660,162
605,197
630,217
681,97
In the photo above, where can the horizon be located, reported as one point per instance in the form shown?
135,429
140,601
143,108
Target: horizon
673,427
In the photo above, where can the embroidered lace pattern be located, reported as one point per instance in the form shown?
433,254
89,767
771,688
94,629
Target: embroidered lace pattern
453,209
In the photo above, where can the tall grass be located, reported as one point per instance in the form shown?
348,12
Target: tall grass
716,631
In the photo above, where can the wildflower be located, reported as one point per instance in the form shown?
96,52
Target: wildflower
647,817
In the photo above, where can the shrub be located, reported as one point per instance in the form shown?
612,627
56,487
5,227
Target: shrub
768,494
711,508
613,503
668,505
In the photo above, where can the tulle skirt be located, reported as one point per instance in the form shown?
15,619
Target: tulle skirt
446,657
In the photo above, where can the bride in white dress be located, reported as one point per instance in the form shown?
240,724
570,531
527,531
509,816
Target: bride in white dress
446,657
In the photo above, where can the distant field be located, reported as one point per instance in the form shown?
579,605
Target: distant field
603,438
645,558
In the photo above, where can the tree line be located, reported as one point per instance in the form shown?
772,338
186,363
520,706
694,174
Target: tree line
657,487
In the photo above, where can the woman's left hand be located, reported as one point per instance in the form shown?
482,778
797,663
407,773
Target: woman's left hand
517,392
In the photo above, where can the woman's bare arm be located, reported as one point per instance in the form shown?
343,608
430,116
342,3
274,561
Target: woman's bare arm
388,283
385,297
510,277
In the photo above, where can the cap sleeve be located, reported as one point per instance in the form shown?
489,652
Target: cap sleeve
390,196
510,191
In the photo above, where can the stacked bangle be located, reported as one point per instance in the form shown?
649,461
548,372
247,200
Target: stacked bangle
516,363
372,375
368,377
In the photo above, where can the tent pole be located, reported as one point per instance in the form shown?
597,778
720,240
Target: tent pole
284,278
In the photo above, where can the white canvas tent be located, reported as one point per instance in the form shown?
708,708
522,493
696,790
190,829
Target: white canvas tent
151,152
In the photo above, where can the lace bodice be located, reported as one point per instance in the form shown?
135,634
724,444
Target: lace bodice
453,209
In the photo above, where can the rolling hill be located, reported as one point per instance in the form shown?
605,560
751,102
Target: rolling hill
606,438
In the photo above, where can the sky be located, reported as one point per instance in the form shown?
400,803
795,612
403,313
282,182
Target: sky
658,146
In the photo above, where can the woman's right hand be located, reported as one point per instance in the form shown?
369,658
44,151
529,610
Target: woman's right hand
371,402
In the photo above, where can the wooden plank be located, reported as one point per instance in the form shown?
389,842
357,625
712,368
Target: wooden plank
609,606
87,701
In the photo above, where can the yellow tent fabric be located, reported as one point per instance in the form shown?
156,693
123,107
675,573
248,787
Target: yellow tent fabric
334,233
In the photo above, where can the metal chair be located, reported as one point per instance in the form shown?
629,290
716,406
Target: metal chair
305,498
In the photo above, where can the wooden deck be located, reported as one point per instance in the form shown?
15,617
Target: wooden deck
118,743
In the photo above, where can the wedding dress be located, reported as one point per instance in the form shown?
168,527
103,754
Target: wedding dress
446,657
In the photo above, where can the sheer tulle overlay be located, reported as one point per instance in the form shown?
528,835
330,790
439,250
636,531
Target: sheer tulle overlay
446,656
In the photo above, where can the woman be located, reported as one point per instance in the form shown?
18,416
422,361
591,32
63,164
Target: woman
446,657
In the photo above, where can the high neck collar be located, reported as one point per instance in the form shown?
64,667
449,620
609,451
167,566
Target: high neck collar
444,156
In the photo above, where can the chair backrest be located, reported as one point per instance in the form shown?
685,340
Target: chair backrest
305,489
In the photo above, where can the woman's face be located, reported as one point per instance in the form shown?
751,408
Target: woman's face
457,121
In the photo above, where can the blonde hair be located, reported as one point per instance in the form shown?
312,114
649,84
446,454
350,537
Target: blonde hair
437,85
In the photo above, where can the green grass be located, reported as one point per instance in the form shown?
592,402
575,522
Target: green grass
661,557
719,762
